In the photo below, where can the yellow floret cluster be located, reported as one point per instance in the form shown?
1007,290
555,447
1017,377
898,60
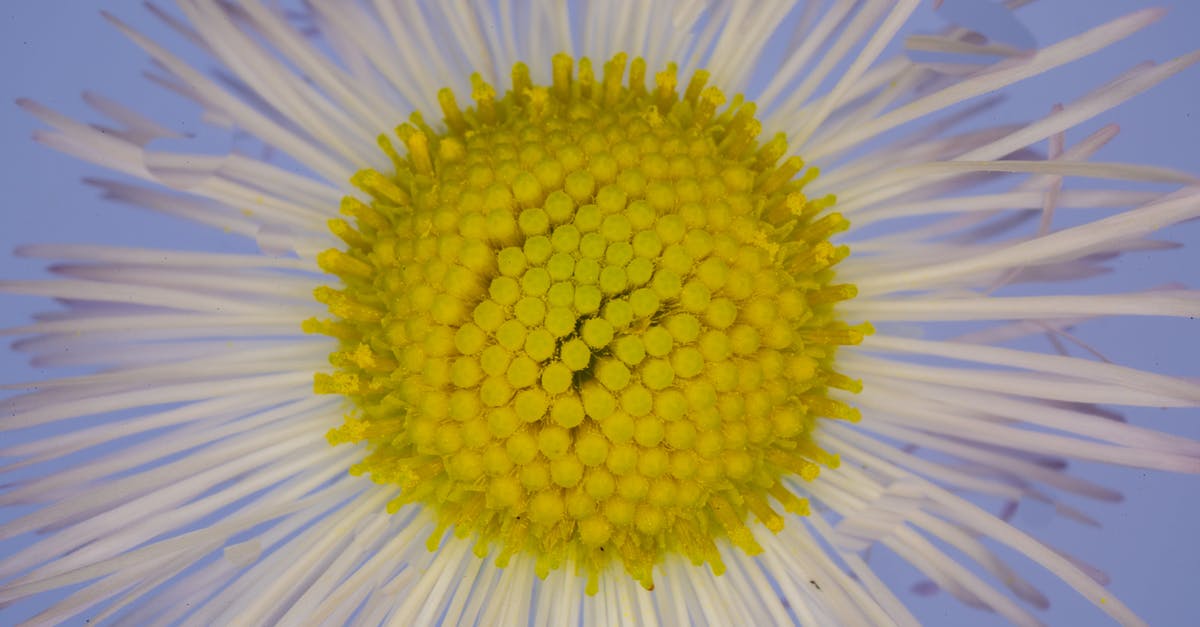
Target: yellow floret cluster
591,321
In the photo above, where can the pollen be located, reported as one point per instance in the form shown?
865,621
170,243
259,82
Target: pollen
592,322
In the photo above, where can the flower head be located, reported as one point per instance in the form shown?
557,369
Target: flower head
561,316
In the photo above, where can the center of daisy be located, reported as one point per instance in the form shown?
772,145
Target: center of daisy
592,322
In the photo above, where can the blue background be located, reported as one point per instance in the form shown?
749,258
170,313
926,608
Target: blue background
53,49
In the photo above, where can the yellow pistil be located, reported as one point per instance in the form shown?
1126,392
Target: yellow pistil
589,322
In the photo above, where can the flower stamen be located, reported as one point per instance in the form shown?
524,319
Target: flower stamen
588,322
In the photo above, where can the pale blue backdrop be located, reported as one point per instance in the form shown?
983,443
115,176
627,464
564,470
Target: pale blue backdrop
51,50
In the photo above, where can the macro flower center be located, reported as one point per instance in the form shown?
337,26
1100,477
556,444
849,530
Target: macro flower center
591,322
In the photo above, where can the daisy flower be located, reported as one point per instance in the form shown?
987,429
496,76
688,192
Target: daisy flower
590,313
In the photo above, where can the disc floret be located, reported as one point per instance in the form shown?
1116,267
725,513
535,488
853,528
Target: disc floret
591,321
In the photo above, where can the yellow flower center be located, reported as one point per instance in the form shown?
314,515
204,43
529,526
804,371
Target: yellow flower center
591,322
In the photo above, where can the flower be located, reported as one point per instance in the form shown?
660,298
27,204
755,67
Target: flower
588,315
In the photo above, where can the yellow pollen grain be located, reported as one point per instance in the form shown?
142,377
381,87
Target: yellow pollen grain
592,322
